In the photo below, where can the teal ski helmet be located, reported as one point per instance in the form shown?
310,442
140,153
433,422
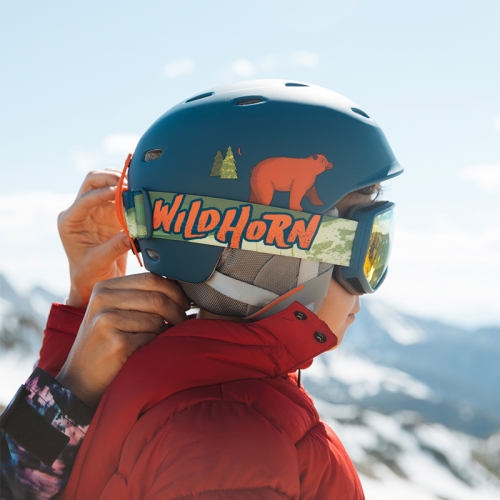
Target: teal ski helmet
292,148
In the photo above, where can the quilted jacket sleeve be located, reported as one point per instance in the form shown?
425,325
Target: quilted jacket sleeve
222,450
59,335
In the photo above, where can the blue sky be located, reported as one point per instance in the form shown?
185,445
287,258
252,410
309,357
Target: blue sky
80,81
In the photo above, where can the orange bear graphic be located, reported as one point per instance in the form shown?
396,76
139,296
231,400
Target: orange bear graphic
296,175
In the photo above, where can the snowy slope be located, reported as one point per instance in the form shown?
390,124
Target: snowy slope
400,457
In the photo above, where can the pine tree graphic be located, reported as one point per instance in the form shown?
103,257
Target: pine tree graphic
228,167
216,165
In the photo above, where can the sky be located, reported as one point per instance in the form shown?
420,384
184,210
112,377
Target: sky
80,81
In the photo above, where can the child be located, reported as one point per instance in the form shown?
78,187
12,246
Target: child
249,196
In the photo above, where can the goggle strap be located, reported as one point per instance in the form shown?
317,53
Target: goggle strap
135,214
331,242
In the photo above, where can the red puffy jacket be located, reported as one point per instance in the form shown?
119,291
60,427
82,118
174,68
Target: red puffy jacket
209,410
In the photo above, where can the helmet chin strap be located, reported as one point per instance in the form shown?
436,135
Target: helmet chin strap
241,291
307,293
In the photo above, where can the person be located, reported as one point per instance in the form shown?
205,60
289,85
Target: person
258,201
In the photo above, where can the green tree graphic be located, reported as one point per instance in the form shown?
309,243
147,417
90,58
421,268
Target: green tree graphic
228,168
216,165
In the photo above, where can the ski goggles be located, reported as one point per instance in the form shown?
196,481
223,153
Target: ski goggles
371,248
358,245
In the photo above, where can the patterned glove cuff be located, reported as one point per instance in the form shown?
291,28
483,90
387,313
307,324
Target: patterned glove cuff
45,417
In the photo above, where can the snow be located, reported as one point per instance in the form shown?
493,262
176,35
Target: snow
399,458
365,377
395,325
389,429
395,488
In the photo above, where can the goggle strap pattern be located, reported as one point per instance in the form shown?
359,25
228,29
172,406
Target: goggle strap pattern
134,213
233,224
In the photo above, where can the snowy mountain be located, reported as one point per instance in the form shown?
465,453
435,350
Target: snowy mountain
390,361
415,402
401,457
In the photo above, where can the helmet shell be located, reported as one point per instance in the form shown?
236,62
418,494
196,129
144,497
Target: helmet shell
258,120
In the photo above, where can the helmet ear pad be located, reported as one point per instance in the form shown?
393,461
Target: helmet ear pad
197,265
277,274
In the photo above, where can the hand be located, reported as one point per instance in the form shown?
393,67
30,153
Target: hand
123,314
93,240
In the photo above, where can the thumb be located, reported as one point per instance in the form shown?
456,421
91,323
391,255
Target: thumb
115,247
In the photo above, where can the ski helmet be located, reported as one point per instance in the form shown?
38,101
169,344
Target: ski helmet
286,147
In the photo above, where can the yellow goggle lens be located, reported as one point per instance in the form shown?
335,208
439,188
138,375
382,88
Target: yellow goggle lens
379,249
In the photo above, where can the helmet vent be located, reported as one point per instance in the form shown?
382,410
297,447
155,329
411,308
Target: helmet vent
293,84
153,154
247,101
152,254
360,112
201,96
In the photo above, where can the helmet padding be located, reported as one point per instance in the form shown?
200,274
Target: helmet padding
271,273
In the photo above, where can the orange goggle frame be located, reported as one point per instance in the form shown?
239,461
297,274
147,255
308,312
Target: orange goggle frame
119,207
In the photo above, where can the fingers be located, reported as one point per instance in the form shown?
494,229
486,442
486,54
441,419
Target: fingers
98,188
99,179
89,200
143,293
141,301
134,322
114,248
151,283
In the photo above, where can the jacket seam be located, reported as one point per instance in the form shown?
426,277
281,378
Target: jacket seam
253,408
307,433
271,421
